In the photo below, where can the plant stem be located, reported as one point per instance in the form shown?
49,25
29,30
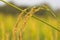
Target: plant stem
45,23
12,5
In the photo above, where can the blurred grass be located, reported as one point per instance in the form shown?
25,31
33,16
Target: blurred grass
35,30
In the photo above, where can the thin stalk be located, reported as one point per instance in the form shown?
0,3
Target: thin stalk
46,23
12,5
51,11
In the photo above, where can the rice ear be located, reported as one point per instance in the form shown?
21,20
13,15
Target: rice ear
27,16
24,22
17,23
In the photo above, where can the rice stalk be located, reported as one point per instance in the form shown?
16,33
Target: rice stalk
48,9
51,11
46,23
12,5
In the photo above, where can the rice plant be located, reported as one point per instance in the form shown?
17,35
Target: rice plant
29,26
